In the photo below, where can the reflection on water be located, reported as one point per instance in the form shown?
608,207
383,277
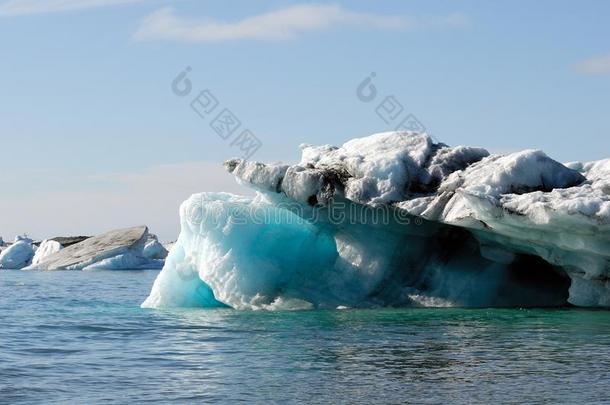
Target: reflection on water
81,336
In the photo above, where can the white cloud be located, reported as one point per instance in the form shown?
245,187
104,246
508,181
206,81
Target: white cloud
599,65
283,24
21,7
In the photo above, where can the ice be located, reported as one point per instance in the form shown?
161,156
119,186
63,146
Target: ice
126,261
153,249
262,254
379,169
23,238
247,265
18,255
168,246
114,250
269,176
396,219
46,248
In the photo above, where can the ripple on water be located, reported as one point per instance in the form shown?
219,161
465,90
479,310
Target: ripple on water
77,336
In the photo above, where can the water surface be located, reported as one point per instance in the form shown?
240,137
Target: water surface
81,337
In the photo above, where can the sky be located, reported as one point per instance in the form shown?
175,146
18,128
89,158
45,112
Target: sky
98,130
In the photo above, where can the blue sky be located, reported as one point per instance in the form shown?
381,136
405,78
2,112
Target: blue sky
92,136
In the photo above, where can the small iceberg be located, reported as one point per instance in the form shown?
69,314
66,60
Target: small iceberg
46,248
130,248
17,255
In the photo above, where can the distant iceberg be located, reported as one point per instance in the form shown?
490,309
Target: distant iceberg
17,255
120,249
153,249
395,219
47,248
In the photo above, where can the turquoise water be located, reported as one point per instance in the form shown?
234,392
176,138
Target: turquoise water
81,337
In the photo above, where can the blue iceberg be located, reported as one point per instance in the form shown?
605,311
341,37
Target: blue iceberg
395,219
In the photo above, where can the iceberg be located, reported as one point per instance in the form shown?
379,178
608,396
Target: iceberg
168,246
47,247
17,255
395,219
66,241
114,250
153,249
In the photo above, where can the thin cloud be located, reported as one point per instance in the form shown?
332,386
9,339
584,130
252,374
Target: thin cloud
283,24
599,65
23,7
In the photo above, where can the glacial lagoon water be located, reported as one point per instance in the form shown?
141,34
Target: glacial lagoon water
81,337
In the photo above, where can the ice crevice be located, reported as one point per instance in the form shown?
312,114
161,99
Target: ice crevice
394,219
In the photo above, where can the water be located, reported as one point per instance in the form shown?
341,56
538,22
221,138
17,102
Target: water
81,337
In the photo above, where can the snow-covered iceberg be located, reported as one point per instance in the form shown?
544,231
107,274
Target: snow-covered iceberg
396,219
114,250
